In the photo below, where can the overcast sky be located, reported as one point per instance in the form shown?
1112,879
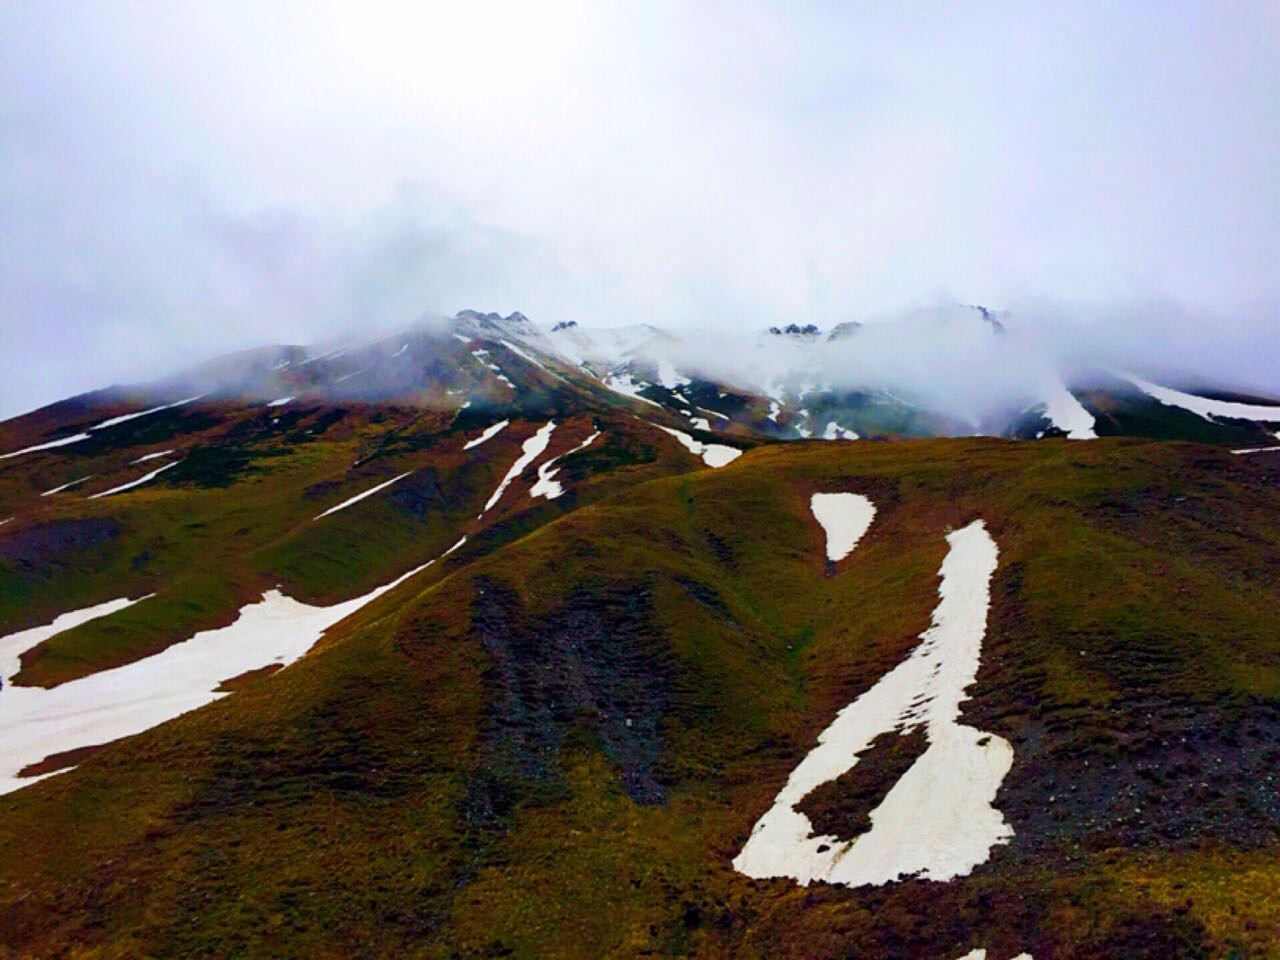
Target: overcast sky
178,179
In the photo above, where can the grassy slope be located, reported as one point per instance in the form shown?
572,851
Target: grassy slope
452,773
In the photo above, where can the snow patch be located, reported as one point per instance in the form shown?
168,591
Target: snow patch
531,450
629,386
280,403
36,723
1068,414
547,486
1204,406
937,821
712,454
146,478
142,413
1258,450
489,433
66,486
65,441
402,349
46,446
836,432
151,456
360,496
844,517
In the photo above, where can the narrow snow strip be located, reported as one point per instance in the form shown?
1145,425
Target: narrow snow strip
1258,450
937,821
64,441
459,336
325,356
489,433
5,520
142,413
454,547
844,517
547,486
280,403
980,954
36,723
146,478
531,450
402,349
354,373
66,486
360,496
715,413
1068,414
46,446
151,456
712,454
1204,406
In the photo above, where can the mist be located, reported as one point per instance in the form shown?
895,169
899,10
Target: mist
179,180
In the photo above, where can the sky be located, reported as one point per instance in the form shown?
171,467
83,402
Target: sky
181,179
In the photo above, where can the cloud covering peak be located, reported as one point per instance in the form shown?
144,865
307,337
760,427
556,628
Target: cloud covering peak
179,178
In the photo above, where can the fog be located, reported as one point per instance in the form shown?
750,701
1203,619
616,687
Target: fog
179,180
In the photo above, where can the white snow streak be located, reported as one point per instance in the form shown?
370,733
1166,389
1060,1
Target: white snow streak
151,456
712,454
279,403
402,349
64,441
531,450
142,413
844,517
546,485
1204,406
360,496
66,486
146,478
981,954
1258,450
1068,414
937,821
489,433
46,446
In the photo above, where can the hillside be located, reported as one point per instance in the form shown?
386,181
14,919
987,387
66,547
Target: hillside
458,700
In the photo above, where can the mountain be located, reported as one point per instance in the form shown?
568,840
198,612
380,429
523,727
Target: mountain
490,639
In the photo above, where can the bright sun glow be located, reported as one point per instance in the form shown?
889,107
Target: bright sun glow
470,51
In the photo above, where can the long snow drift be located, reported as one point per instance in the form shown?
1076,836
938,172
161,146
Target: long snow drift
712,454
1206,406
360,496
145,478
489,433
65,441
36,723
1068,414
937,821
844,517
530,451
